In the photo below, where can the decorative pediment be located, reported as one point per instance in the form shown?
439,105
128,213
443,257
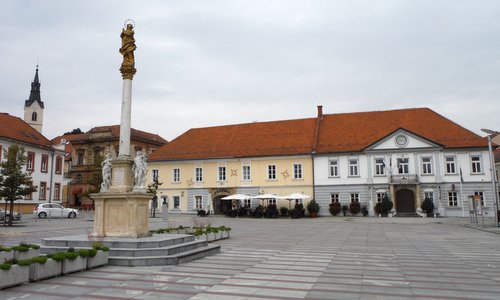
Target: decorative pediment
402,139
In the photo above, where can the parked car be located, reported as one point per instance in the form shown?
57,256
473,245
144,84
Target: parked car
8,215
54,210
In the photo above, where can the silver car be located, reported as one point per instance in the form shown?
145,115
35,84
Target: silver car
54,210
8,215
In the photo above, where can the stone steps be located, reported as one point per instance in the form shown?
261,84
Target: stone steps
161,249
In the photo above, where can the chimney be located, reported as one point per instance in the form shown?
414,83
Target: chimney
320,112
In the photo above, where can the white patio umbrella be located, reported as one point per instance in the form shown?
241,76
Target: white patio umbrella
296,196
210,208
236,197
267,197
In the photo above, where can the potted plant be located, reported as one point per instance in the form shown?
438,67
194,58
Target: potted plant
44,267
364,211
386,206
354,208
14,272
224,230
74,261
344,208
284,211
313,208
6,253
378,208
297,211
428,207
98,255
335,208
25,251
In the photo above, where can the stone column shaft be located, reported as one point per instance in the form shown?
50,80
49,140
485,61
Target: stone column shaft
124,149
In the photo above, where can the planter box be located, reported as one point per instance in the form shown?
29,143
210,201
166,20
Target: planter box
70,266
202,237
14,276
6,255
27,254
224,234
100,259
50,268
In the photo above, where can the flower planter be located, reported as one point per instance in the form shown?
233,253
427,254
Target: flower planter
202,237
19,255
210,237
14,276
100,259
6,255
50,268
224,234
313,214
75,265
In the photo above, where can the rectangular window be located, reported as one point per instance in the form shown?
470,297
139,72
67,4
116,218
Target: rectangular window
58,165
379,166
30,161
403,166
353,167
480,194
45,163
450,165
57,191
297,171
334,168
452,199
198,202
272,201
30,196
222,173
43,191
354,197
177,201
79,161
476,164
334,197
271,172
176,175
198,174
426,165
155,175
246,173
380,196
247,202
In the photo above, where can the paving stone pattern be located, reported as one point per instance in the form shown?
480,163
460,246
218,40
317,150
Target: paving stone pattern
323,258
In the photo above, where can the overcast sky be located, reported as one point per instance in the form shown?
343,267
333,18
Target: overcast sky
207,63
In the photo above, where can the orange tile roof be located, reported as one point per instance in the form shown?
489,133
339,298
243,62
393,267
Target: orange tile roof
349,132
114,130
16,129
290,137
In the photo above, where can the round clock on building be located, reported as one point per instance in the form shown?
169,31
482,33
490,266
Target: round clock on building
401,140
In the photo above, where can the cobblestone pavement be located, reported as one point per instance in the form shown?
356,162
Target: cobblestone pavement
323,258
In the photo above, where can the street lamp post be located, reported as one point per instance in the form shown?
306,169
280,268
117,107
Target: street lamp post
493,173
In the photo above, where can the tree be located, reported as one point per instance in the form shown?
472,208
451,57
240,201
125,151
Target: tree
95,179
386,204
74,131
14,183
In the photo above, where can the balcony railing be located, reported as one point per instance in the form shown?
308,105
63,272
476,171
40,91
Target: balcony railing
404,179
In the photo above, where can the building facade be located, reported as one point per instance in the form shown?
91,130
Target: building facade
86,151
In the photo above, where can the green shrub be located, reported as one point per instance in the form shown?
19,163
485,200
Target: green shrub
6,249
39,259
92,252
386,205
335,208
5,266
59,256
24,262
34,246
354,208
100,246
71,249
83,253
21,248
71,255
427,206
313,206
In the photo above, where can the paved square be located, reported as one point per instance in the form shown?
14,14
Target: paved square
323,258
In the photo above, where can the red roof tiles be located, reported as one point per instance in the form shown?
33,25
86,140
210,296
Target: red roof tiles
16,129
349,132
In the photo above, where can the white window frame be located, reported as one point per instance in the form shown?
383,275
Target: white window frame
354,197
298,171
179,201
198,202
198,174
452,199
221,173
450,166
481,194
176,175
247,203
380,196
333,168
353,167
246,172
403,164
476,166
379,166
155,174
334,198
271,172
427,165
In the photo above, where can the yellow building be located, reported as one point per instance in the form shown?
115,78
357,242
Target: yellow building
203,165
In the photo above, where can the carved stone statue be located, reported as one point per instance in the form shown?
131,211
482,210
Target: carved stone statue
127,50
106,173
140,169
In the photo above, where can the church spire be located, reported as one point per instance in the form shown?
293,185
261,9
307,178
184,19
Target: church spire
35,91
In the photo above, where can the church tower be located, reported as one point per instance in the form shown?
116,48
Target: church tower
33,107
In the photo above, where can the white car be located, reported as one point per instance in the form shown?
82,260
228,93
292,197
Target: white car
16,216
54,210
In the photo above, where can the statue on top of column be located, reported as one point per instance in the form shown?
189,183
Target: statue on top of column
127,50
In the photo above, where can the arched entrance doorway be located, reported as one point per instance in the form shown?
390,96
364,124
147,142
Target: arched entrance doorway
221,207
405,201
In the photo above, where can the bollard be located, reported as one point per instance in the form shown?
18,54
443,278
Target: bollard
164,211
